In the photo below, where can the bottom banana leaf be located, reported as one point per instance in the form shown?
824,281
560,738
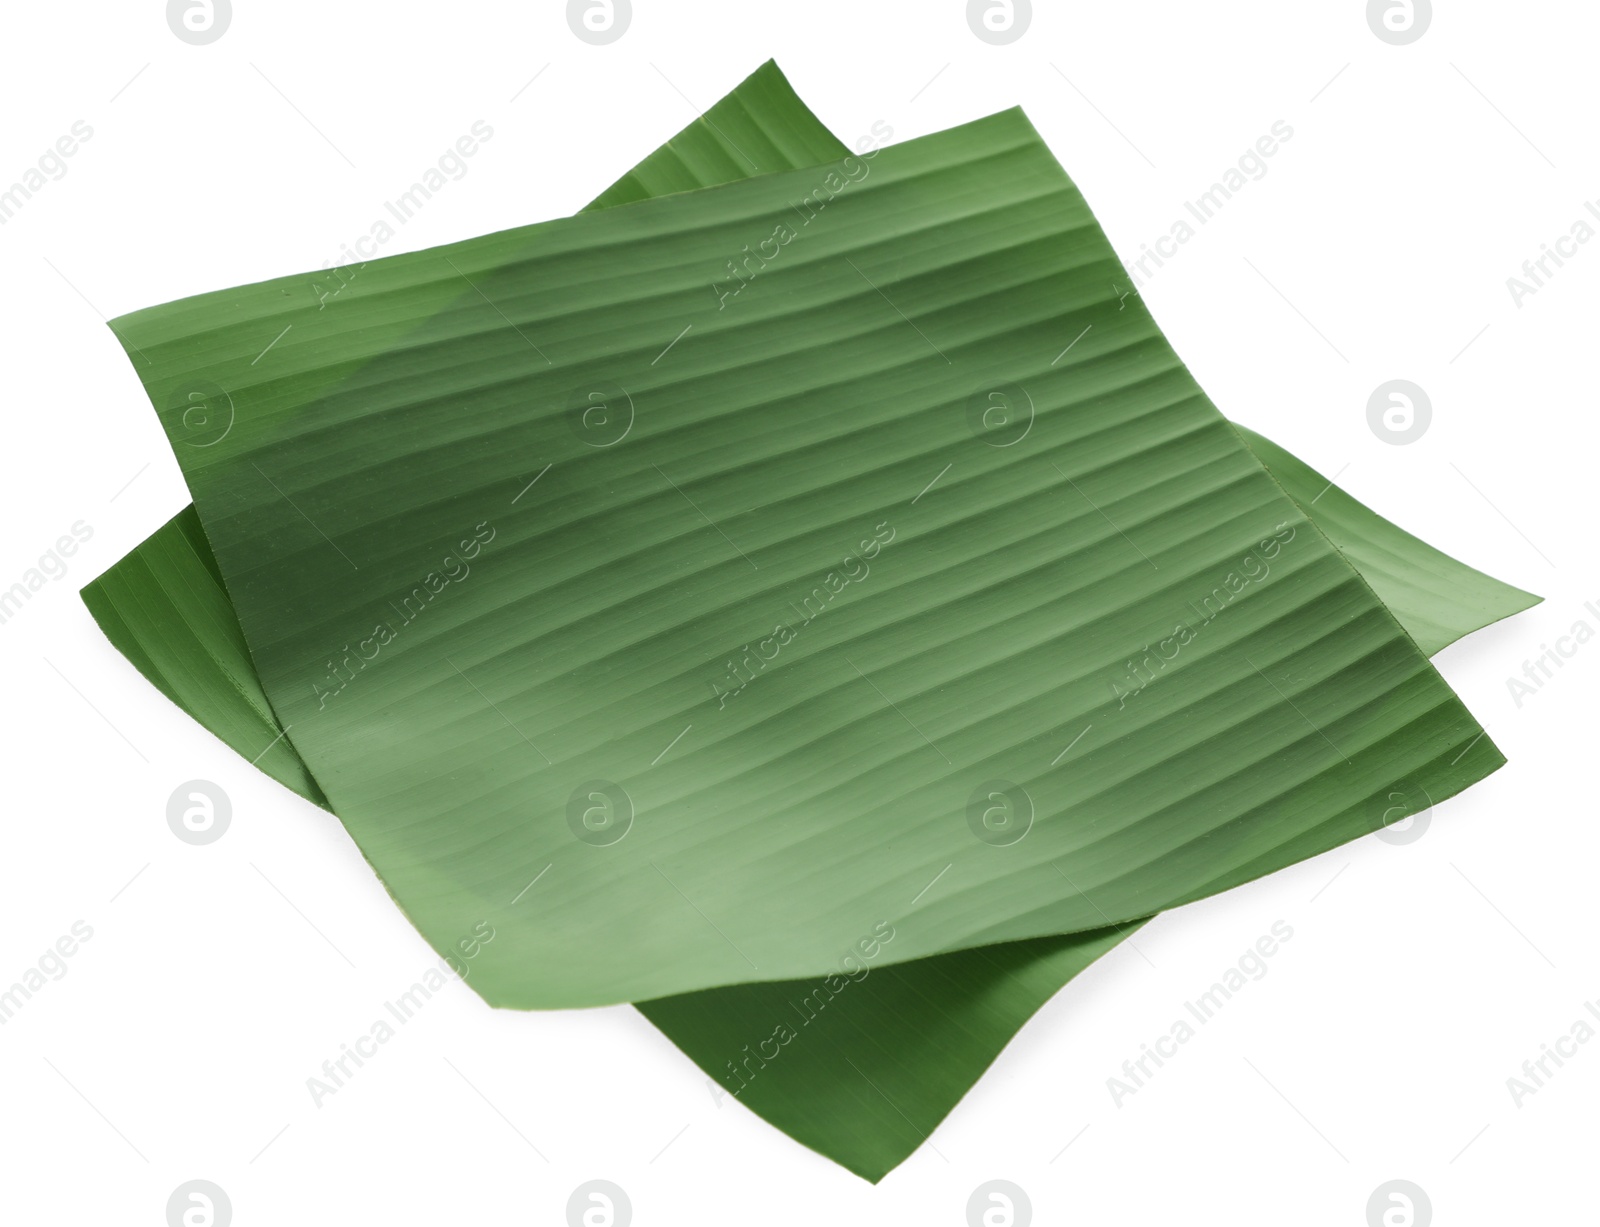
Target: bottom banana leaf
862,1065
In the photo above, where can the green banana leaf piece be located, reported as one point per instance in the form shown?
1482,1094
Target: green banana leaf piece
1436,598
136,604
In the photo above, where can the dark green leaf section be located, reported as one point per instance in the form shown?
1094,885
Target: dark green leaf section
861,1065
758,129
165,608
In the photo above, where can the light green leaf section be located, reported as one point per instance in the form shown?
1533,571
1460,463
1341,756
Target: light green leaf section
1006,553
1436,598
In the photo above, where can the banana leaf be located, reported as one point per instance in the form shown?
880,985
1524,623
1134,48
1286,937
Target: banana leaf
145,599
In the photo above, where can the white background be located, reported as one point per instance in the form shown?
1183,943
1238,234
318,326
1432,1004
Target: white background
1419,977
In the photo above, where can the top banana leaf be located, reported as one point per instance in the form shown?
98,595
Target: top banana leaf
529,663
164,605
